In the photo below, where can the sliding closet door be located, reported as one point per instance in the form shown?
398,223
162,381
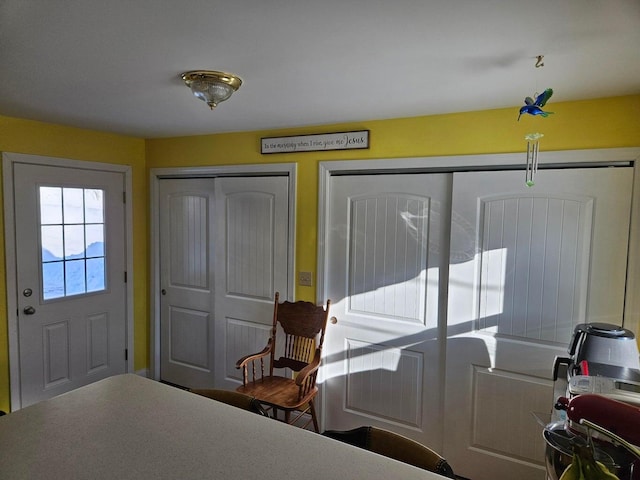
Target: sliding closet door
223,250
526,265
186,316
520,267
252,219
383,358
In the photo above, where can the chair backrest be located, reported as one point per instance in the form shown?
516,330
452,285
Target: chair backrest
233,398
303,325
394,446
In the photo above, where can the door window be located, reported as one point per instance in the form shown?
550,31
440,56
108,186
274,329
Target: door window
72,241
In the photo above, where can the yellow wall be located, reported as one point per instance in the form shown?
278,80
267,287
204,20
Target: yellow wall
602,123
36,138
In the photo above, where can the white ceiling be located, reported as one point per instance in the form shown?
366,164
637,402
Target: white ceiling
114,65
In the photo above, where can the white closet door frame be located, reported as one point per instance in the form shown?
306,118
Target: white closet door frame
288,169
568,158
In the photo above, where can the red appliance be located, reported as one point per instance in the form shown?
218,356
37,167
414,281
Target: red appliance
612,426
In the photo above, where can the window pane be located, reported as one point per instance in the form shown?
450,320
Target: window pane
95,274
52,280
74,277
94,240
51,243
50,205
73,205
73,241
94,206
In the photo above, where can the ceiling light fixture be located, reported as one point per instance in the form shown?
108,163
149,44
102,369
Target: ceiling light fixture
211,86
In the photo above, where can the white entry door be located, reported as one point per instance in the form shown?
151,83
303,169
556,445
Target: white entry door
527,265
70,269
383,359
223,256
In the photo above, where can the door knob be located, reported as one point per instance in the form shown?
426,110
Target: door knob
29,310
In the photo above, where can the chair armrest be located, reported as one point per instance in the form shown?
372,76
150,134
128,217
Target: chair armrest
254,356
309,369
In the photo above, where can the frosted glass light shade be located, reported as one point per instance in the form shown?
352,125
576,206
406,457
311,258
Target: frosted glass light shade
210,86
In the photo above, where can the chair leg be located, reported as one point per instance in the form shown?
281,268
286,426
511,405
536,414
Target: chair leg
313,416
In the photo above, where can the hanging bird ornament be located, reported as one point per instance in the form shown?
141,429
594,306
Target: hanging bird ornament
534,107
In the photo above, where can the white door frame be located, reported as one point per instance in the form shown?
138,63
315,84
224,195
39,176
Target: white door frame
156,174
8,161
572,158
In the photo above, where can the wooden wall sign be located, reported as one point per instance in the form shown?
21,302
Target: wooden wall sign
316,142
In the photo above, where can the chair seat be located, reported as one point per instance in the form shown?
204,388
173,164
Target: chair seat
396,446
279,392
231,397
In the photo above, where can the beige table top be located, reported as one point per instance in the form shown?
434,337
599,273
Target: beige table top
131,427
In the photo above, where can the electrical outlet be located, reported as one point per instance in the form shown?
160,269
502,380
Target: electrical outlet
304,279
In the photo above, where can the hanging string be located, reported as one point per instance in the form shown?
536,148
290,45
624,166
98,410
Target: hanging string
539,64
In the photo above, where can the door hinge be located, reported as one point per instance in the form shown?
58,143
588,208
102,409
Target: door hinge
125,277
124,197
126,354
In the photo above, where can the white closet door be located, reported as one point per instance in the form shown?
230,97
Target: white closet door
186,316
224,255
383,363
252,218
526,265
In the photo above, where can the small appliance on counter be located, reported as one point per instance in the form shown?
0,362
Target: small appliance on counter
601,349
603,359
597,402
598,428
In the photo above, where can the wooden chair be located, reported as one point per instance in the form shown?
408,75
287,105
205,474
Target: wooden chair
394,446
233,398
303,326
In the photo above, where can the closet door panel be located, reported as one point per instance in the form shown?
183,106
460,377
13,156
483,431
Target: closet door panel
526,266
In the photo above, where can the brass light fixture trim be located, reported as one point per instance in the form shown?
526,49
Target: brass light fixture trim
211,86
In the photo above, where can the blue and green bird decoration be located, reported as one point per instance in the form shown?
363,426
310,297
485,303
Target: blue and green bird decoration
535,107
